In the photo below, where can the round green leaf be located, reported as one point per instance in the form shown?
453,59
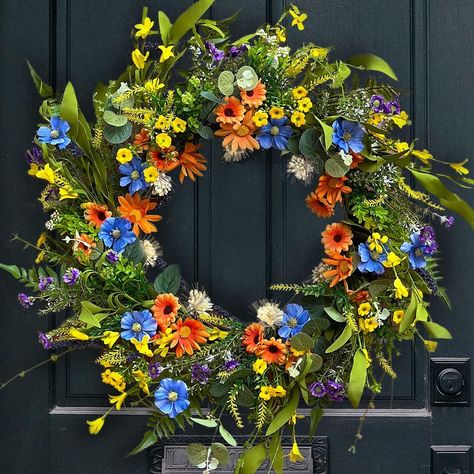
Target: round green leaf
247,78
197,453
301,342
309,143
221,453
336,168
117,135
225,83
114,119
316,363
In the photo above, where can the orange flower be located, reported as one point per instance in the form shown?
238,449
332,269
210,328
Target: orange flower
164,160
337,237
255,97
272,351
96,214
136,210
165,309
318,206
357,159
192,162
187,336
231,111
142,139
253,335
84,244
360,297
239,137
332,188
342,267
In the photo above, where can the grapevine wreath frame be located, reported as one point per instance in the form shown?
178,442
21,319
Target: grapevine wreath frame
163,344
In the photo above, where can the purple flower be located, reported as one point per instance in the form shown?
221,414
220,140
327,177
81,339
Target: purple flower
112,257
217,54
393,107
231,364
428,239
154,370
25,300
44,341
35,155
71,276
377,103
335,391
44,283
317,389
200,373
235,51
447,221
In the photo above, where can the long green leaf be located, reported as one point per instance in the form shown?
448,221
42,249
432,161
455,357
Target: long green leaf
357,378
69,109
410,314
252,460
149,438
285,413
341,340
327,131
13,270
275,454
371,62
165,26
43,89
436,330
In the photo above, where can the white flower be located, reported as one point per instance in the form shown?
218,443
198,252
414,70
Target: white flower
317,273
162,185
234,156
346,158
293,371
122,89
199,302
151,251
269,313
53,220
300,168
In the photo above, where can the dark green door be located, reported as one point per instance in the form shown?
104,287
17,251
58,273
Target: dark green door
238,230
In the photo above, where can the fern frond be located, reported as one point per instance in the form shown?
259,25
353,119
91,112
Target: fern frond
234,409
286,287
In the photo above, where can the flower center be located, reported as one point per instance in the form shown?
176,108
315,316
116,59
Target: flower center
54,133
418,252
333,183
347,136
242,131
172,396
101,215
184,332
274,131
229,112
168,309
116,234
136,327
273,349
134,175
250,93
344,267
337,238
374,255
292,322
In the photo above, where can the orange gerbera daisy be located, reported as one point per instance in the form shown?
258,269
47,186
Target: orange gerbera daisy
253,336
318,206
255,97
165,309
337,237
239,137
136,209
142,139
342,267
192,162
332,188
357,159
230,111
272,351
187,336
96,214
164,160
84,244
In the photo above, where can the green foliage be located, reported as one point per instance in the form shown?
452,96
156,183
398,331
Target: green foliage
357,378
169,280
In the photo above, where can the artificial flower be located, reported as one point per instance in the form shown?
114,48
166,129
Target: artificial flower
298,118
83,244
153,85
317,389
370,260
254,97
295,454
198,302
165,310
423,155
200,373
280,33
268,392
398,316
260,118
71,276
217,334
428,239
459,167
142,346
252,337
137,324
348,135
301,168
319,53
163,122
364,309
178,125
401,120
276,113
231,111
332,189
143,29
216,53
337,237
162,185
430,346
319,206
239,137
96,425
142,380
400,289
116,233
109,338
139,59
342,267
272,351
136,210
275,134
393,260
171,398
191,161
133,175
66,192
187,336
96,214
55,134
416,251
124,155
114,379
269,313
299,92
298,17
305,104
80,336
164,160
163,140
368,325
118,400
166,53
259,366
377,242
294,319
150,174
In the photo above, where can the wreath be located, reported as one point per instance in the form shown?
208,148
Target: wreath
164,344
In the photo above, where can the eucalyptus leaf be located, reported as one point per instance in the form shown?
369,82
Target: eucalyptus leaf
114,119
221,453
206,132
117,135
169,280
246,78
225,83
210,96
309,143
336,167
197,453
301,342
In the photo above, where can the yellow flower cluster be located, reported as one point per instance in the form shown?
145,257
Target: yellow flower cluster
267,392
114,379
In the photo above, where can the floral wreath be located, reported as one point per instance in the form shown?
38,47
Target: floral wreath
163,344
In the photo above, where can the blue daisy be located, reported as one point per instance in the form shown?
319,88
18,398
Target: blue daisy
294,318
348,135
370,260
172,397
275,134
416,251
116,233
134,177
55,134
137,324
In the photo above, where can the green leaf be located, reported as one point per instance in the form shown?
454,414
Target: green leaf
43,89
227,436
309,143
357,378
196,453
316,363
221,453
301,342
169,280
245,397
436,331
252,459
421,312
117,135
410,314
334,314
379,287
208,423
70,109
210,96
316,415
320,345
285,413
246,78
322,324
371,62
343,72
135,252
165,26
275,454
187,20
114,119
341,340
12,270
206,132
327,131
225,83
149,438
91,314
336,168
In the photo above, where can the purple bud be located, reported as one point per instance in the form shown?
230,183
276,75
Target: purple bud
112,257
335,391
44,341
200,373
71,276
377,103
231,365
154,370
25,300
44,283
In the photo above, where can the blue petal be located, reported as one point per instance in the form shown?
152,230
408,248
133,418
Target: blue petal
127,335
280,142
265,141
284,332
125,181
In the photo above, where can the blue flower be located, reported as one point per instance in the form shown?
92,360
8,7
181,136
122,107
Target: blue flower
294,318
133,178
275,134
371,260
348,135
138,324
56,134
116,233
416,251
172,397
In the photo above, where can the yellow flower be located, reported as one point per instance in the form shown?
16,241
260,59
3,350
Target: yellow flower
364,309
153,85
124,155
368,325
142,346
118,400
375,242
40,257
280,34
164,342
276,113
298,17
47,174
216,333
368,360
41,239
266,393
179,125
422,155
401,120
459,168
305,104
166,53
430,346
398,316
259,366
295,454
110,338
319,53
392,260
144,28
66,192
150,174
139,59
400,290
142,380
75,334
260,118
377,119
279,391
95,425
114,379
402,146
163,123
299,92
298,118
163,140
34,168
